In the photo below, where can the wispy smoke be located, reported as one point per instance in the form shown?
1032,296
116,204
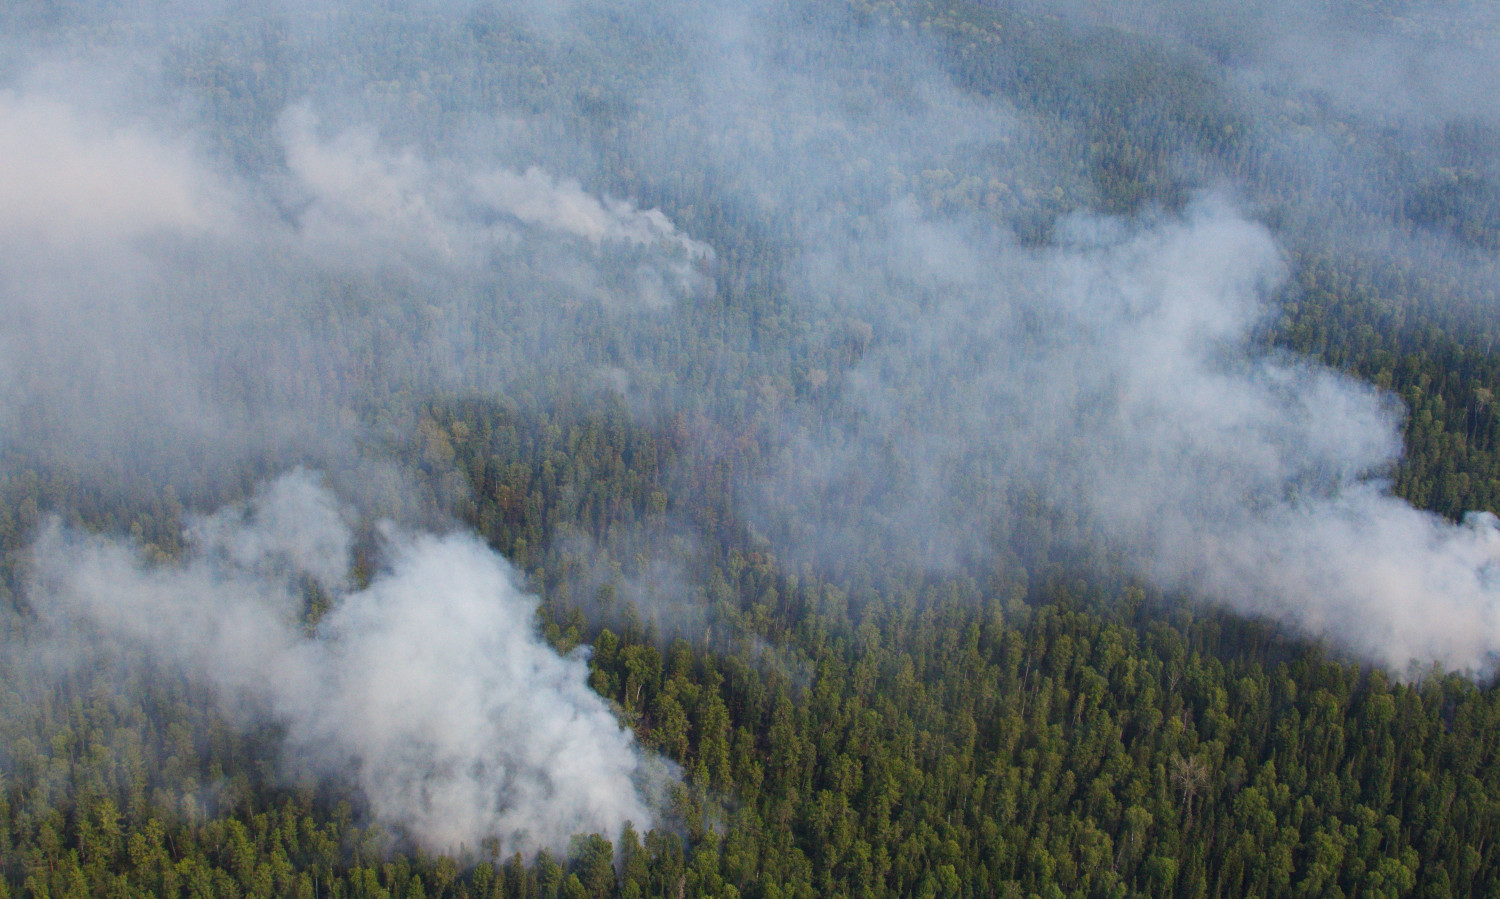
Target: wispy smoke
430,688
69,180
537,198
905,316
164,317
1113,374
1113,370
357,197
168,319
1366,126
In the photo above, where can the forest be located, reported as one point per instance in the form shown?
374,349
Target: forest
763,449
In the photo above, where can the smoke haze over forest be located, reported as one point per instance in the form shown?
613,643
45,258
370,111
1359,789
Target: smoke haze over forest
921,280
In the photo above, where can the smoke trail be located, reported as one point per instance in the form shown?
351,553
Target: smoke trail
167,319
941,331
1113,374
430,688
172,321
1110,366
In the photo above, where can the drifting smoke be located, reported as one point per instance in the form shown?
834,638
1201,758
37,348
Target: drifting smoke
907,310
1113,373
165,320
430,688
1111,368
162,317
361,198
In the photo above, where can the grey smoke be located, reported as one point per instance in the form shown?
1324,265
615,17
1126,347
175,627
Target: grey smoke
165,317
1114,374
947,332
170,320
1116,371
1370,126
431,687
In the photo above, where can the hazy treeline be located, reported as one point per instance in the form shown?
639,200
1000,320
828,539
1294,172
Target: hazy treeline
887,354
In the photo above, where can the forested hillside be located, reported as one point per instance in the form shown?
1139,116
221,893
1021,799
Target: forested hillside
830,375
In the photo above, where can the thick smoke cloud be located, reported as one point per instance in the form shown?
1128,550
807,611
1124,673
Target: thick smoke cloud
1127,376
165,317
1113,370
168,319
808,229
430,688
1113,373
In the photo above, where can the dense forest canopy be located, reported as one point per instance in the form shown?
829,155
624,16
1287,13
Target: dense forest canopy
763,448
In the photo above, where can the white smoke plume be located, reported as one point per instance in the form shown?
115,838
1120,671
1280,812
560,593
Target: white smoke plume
1113,374
919,364
430,688
1256,480
357,199
536,198
163,315
166,317
1113,368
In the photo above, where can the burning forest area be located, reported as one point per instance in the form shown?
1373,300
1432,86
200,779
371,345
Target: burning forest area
758,449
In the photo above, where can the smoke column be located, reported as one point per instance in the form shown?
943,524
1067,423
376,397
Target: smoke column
198,282
430,688
168,321
1114,374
